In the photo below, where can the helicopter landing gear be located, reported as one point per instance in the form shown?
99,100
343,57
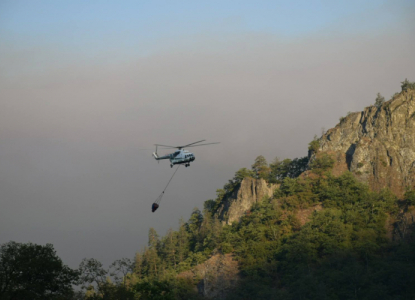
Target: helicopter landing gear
187,165
171,165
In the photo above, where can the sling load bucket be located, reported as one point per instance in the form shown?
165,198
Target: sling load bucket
154,207
156,203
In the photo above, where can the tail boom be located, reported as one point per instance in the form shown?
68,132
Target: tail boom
155,155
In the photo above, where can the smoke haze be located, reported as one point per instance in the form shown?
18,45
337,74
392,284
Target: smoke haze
73,122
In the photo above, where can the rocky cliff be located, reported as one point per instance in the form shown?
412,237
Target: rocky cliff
216,276
241,199
377,144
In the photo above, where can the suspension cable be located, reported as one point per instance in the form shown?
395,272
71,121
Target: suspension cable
158,200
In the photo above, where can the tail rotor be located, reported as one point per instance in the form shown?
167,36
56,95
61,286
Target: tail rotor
155,155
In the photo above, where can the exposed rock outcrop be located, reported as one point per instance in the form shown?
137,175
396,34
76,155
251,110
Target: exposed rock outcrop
249,192
216,276
377,144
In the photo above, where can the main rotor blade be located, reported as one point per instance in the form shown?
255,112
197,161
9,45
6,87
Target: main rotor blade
191,144
179,147
203,144
166,146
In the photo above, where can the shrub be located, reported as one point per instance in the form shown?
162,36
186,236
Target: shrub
314,145
379,100
407,85
410,197
323,162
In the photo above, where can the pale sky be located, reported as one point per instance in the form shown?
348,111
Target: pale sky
85,85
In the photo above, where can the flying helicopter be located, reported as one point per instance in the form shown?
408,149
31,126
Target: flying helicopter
180,156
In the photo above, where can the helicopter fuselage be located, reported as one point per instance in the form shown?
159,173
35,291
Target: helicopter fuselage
179,157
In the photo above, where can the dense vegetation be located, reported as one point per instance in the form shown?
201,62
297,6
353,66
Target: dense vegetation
342,252
29,271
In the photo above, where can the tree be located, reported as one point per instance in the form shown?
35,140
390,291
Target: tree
407,85
410,197
30,271
314,145
279,170
195,221
322,163
138,265
260,167
151,255
157,290
379,100
287,168
243,173
92,272
169,248
153,238
298,166
182,241
120,268
209,205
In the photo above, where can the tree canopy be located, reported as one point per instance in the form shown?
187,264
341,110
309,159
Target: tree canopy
30,271
379,100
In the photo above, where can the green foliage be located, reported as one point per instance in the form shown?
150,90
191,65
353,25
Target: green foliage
209,205
322,163
155,290
295,193
30,271
344,239
92,272
314,145
110,291
226,247
407,85
220,194
379,100
243,173
287,168
410,197
260,168
318,237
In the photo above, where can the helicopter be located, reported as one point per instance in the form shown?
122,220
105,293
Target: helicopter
180,156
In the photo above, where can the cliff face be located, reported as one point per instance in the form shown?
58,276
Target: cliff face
378,144
216,276
250,191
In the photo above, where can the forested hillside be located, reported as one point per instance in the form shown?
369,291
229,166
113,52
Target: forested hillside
315,231
319,236
342,251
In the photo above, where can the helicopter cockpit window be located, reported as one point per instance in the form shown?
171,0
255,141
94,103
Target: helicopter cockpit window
176,153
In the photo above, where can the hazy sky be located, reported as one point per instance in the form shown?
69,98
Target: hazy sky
84,85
